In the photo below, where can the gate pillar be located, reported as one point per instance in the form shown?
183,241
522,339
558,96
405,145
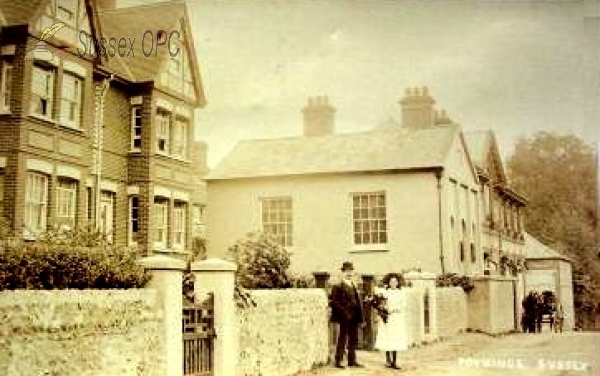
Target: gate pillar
425,283
167,275
217,276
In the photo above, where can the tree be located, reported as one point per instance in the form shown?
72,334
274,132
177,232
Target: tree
558,176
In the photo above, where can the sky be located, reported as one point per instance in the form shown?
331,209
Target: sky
515,67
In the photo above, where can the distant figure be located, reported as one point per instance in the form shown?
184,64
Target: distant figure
530,312
552,313
347,311
559,318
539,312
390,333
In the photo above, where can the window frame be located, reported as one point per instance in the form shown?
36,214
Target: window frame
66,199
132,230
108,231
47,71
161,227
135,127
179,224
77,100
277,207
38,203
6,85
179,144
177,74
374,224
163,131
2,183
198,220
61,5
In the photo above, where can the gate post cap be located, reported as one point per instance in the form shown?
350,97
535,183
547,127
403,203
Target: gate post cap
162,262
213,264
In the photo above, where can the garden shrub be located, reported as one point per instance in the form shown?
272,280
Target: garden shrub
453,279
262,262
64,263
302,281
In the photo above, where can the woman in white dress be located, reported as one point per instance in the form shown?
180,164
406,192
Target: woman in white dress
390,334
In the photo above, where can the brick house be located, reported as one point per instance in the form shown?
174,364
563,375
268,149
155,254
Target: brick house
503,240
414,195
101,141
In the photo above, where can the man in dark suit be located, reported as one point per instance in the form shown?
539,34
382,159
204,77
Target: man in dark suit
347,311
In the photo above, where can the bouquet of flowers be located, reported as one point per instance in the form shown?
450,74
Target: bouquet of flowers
378,303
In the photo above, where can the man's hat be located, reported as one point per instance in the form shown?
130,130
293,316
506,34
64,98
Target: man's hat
347,265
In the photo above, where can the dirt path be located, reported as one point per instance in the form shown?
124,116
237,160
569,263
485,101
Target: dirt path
471,354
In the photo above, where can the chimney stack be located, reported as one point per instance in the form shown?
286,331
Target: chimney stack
319,117
417,108
442,118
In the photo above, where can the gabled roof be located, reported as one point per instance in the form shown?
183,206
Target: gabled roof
485,153
132,22
478,143
380,149
18,12
537,250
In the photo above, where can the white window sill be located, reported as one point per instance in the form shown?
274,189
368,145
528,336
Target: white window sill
5,111
73,127
29,235
367,248
158,247
135,151
43,118
176,158
171,251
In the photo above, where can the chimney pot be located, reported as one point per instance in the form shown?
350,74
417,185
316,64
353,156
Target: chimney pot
443,118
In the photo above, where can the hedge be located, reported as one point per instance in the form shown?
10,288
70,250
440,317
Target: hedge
43,266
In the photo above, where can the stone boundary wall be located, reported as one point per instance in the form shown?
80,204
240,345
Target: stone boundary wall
452,315
81,332
285,333
491,305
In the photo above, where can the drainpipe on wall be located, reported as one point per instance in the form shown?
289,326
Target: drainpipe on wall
99,143
438,175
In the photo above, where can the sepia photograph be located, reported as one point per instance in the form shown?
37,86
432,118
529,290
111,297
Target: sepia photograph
299,187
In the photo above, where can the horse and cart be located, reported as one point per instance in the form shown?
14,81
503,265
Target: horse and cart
539,309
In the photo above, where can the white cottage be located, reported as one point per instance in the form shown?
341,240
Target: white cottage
391,198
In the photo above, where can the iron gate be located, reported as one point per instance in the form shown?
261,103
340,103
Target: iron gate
198,335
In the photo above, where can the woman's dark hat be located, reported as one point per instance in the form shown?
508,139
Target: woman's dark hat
347,265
